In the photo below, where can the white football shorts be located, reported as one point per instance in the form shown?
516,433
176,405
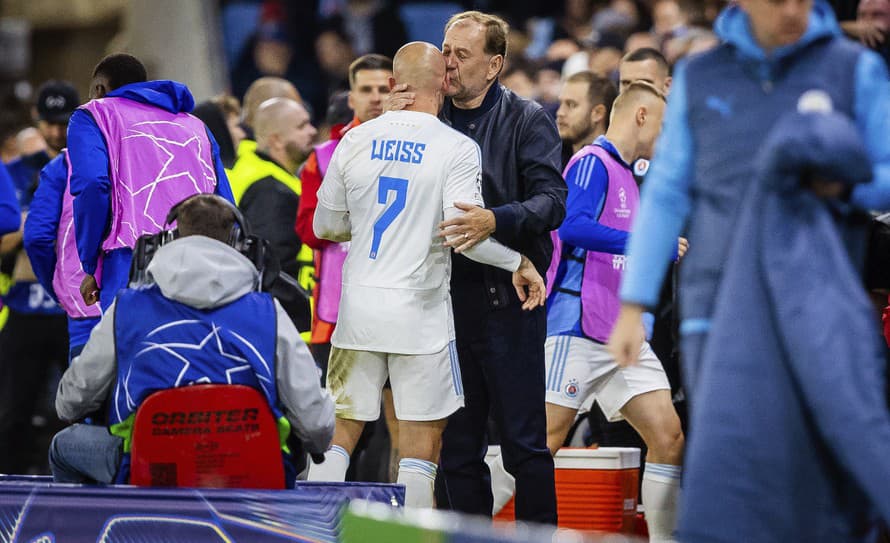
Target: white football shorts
580,371
425,387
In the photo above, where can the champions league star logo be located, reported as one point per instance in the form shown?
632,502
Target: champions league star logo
178,158
169,344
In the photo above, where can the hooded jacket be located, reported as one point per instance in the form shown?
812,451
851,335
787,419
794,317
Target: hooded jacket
790,416
672,191
94,189
206,274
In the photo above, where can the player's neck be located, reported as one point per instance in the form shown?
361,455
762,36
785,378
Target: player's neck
624,142
425,104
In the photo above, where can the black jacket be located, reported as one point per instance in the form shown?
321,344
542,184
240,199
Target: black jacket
270,208
521,182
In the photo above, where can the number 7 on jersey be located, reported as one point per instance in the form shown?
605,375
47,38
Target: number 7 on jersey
385,185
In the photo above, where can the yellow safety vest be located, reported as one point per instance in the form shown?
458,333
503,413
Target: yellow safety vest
250,168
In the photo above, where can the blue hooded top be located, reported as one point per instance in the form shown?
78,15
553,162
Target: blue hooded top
90,166
10,215
667,199
790,423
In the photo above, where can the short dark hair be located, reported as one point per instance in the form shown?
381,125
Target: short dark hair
648,53
206,215
599,90
369,62
496,29
121,69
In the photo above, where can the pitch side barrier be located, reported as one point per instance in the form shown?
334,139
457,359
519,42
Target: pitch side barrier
367,522
36,510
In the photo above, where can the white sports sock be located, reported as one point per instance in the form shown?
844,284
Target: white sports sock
336,462
661,489
503,485
419,478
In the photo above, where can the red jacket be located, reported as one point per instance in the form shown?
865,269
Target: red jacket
311,177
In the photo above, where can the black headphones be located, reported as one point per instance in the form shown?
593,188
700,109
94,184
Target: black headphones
240,229
294,298
255,249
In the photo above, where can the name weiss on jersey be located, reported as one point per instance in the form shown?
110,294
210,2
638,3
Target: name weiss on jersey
409,152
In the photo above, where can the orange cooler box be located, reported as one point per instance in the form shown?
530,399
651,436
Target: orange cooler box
596,489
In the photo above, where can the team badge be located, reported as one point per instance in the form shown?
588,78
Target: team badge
641,166
571,389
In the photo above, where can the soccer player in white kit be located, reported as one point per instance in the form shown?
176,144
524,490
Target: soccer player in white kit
390,183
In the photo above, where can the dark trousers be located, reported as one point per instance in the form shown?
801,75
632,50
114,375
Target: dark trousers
29,346
501,356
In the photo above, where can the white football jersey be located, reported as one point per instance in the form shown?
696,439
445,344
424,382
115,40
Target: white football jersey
396,175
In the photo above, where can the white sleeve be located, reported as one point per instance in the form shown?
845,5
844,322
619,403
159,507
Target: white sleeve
332,192
488,251
331,225
463,181
331,220
308,407
464,184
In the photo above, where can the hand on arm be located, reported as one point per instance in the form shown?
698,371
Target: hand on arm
468,229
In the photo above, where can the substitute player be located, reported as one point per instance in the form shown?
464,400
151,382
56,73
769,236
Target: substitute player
390,183
588,262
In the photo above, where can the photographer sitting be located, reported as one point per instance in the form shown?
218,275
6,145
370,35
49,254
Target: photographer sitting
201,320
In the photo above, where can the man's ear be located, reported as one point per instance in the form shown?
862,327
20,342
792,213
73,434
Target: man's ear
642,113
99,91
392,83
598,114
273,141
495,65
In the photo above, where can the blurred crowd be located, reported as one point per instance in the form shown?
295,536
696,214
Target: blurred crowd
313,43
